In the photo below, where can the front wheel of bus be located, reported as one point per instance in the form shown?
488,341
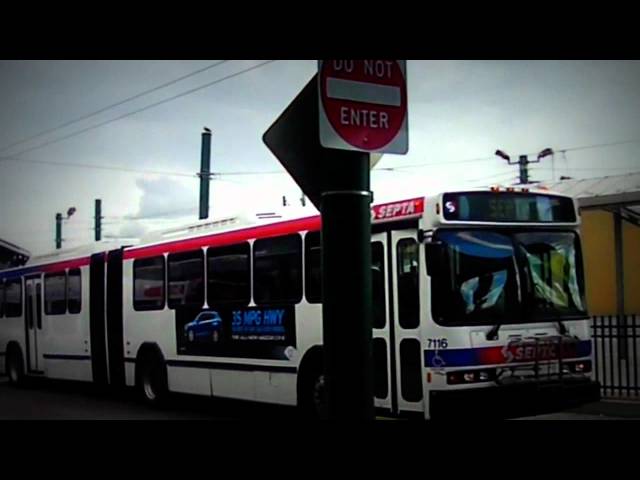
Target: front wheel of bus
314,395
152,381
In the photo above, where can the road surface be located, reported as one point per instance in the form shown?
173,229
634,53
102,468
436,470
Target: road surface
47,400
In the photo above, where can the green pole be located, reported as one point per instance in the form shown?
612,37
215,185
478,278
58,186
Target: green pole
205,166
346,288
58,230
98,220
524,169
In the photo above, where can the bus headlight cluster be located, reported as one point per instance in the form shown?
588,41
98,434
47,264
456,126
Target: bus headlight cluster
471,376
583,366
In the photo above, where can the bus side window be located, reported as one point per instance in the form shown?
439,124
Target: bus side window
377,285
148,283
312,267
55,293
277,269
229,274
1,299
74,290
408,294
186,278
13,298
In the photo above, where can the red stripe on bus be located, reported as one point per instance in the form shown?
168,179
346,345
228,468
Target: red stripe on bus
54,267
226,238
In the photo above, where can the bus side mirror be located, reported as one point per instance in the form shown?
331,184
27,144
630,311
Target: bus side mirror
435,259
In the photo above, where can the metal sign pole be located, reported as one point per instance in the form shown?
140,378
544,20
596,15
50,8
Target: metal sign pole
346,290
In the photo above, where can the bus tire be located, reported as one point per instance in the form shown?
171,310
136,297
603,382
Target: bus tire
15,365
151,378
312,400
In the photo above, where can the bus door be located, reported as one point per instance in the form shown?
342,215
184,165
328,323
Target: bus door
405,281
33,319
381,326
396,321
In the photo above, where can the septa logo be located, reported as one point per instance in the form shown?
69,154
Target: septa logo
404,208
450,206
542,350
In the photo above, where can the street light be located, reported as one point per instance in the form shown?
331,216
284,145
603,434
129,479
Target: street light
501,154
59,219
523,161
545,153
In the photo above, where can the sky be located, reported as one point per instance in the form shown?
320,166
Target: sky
460,112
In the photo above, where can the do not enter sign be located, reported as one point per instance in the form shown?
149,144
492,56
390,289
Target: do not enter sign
363,105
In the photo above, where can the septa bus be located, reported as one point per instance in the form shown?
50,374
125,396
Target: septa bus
478,302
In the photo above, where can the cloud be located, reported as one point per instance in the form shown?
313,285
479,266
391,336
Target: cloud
165,198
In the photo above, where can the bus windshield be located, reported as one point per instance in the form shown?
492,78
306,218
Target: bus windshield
503,277
553,282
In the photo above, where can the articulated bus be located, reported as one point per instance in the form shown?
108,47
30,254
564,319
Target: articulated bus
478,302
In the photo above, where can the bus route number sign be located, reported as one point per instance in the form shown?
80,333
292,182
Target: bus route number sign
363,105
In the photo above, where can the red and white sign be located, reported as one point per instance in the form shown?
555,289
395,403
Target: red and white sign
363,105
394,210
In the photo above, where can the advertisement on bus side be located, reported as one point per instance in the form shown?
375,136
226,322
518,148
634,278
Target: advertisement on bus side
251,332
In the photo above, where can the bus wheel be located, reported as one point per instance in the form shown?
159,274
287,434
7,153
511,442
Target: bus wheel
152,380
15,366
320,398
313,401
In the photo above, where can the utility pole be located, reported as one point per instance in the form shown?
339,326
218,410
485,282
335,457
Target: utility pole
98,220
523,163
58,231
70,212
205,173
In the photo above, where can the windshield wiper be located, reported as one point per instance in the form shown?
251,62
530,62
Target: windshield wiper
562,329
493,333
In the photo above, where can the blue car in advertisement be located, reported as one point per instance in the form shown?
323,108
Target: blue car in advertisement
205,327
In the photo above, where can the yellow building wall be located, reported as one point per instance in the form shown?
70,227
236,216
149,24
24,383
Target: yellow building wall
631,248
598,249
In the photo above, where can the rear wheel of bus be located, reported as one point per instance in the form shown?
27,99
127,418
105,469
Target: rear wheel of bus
151,373
15,366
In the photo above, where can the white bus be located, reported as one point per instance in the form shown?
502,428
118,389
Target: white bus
478,301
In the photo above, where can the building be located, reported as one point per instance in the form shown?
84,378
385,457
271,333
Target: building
11,255
610,210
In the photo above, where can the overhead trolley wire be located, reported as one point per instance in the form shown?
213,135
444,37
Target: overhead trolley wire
161,102
109,107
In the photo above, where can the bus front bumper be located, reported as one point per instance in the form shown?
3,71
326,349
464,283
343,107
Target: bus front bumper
516,400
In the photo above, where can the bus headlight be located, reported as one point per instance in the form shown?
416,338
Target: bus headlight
471,376
583,366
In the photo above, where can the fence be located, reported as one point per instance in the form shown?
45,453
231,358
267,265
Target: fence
616,343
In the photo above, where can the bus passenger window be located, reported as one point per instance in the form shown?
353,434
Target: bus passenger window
148,283
229,275
13,298
277,269
1,299
55,293
186,279
312,267
408,294
377,285
74,290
